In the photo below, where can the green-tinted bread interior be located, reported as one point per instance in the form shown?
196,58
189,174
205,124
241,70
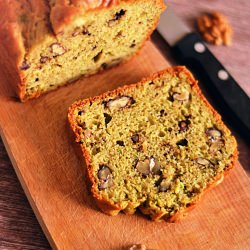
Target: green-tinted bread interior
156,145
98,40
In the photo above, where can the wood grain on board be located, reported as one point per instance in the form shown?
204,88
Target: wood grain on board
36,137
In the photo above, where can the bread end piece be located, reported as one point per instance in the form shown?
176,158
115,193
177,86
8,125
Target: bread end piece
41,51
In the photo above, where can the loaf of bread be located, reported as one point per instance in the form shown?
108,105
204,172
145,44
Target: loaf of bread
48,43
157,145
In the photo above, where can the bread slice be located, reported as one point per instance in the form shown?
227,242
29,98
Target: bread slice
157,145
46,44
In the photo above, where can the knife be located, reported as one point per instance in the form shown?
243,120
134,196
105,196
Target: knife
190,50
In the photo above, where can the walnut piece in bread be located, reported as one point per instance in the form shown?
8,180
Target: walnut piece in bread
188,151
47,44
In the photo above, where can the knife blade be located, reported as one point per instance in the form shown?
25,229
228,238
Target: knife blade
190,50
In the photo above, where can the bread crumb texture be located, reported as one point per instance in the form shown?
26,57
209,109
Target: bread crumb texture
155,145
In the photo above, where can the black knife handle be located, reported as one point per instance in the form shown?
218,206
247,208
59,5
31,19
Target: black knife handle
192,51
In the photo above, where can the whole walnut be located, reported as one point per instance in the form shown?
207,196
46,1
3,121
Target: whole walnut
215,28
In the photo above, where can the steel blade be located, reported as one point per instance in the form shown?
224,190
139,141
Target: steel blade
171,28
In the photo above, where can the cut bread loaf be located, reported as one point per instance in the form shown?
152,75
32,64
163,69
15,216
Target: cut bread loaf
157,145
48,43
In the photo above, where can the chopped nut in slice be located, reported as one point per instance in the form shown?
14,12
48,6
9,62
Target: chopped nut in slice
213,134
143,167
57,49
80,31
135,138
202,161
184,96
104,172
106,183
44,59
105,177
164,185
216,146
149,165
24,65
183,125
120,102
155,166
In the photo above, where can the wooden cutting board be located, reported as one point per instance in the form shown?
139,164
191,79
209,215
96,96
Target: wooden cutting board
36,137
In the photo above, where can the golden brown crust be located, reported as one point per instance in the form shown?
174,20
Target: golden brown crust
11,45
112,209
25,98
103,204
23,24
63,12
126,60
21,19
219,178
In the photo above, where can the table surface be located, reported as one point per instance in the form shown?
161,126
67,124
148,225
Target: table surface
19,228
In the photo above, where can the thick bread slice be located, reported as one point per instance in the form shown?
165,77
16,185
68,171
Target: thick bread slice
157,145
47,44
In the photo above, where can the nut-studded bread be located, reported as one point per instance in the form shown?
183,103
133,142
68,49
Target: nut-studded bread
48,43
157,145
